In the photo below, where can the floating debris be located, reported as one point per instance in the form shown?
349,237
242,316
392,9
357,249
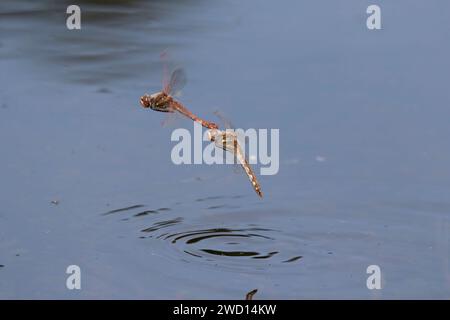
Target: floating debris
249,296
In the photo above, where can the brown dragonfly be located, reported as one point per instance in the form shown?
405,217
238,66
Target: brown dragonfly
163,101
228,141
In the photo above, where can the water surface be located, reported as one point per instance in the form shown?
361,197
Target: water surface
86,176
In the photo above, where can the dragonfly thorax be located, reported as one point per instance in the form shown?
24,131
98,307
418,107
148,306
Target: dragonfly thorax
213,134
157,94
159,101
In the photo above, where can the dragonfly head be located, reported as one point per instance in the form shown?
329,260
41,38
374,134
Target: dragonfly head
157,101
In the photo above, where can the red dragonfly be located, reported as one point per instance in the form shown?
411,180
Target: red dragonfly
163,101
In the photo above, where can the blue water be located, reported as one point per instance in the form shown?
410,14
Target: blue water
364,173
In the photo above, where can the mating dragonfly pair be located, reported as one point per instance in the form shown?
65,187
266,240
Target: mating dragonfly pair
164,102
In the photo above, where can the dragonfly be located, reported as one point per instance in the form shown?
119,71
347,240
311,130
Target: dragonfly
228,141
164,101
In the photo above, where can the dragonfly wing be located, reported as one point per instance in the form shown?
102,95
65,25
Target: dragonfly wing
171,120
225,121
177,81
164,56
234,147
228,141
228,125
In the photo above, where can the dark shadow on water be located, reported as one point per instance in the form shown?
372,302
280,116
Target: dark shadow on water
269,255
293,259
251,242
145,213
216,232
230,253
163,224
218,198
139,214
117,39
222,206
216,238
124,209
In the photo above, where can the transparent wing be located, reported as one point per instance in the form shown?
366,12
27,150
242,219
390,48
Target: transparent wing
227,124
229,142
172,120
237,169
224,120
164,56
174,81
177,82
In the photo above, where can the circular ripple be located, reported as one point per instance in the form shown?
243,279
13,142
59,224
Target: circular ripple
198,243
235,245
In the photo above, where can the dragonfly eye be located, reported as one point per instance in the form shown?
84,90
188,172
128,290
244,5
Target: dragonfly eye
145,101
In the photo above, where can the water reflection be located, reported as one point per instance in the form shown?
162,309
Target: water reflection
216,232
118,39
163,224
124,209
221,244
